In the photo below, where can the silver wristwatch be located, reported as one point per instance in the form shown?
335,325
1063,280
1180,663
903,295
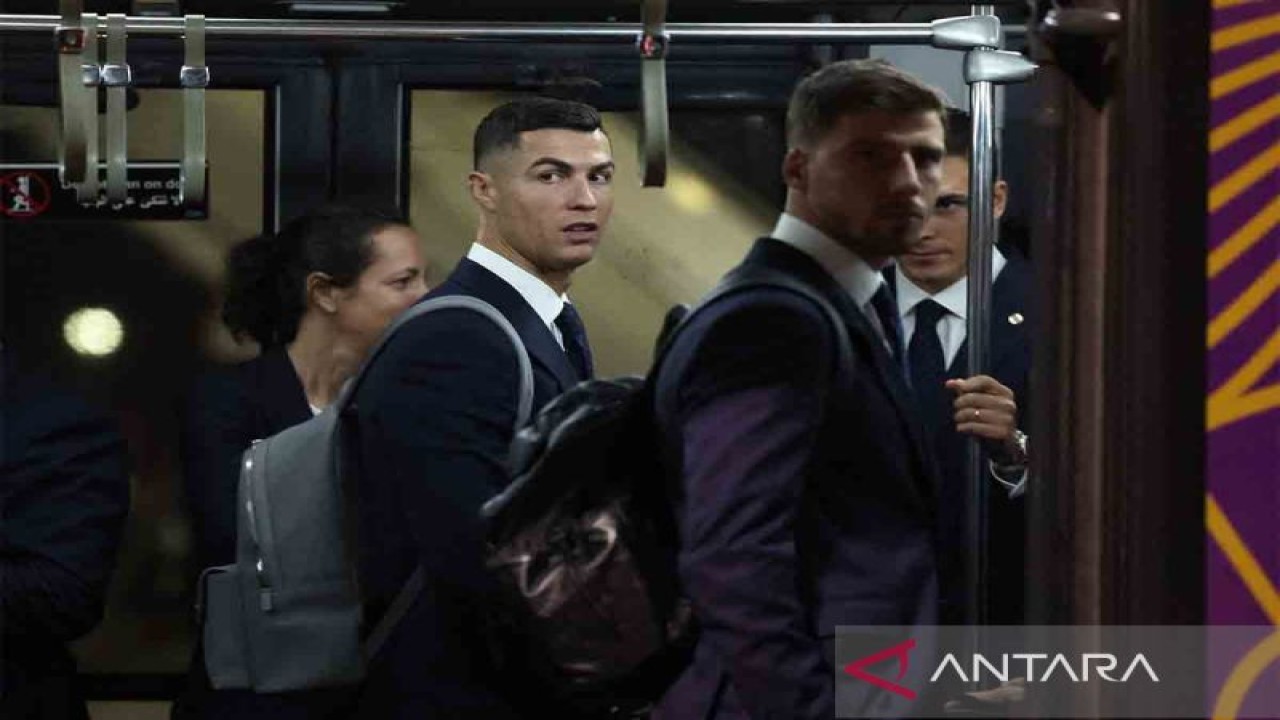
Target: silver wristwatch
1016,458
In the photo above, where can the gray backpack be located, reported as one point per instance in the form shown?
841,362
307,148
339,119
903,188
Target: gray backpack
287,615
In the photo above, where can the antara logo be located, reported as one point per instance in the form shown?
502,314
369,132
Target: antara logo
899,651
1024,666
1031,667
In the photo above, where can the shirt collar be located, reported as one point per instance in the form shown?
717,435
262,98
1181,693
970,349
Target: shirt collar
955,297
544,301
850,271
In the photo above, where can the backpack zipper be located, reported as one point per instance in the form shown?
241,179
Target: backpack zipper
260,569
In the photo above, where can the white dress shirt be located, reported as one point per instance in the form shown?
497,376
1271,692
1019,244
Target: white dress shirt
544,301
851,272
952,329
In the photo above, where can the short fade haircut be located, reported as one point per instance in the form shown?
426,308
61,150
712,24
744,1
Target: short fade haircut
501,128
960,137
855,86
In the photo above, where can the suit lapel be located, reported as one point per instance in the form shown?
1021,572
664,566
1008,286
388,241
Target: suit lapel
473,279
861,333
1008,323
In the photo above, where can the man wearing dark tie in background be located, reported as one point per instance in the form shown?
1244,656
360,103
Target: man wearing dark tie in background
932,287
806,486
435,412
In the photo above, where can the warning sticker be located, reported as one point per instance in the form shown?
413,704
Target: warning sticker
24,194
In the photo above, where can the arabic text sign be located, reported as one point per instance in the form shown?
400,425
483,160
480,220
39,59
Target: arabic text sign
32,192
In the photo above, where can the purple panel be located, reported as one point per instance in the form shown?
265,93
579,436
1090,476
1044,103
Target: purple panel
1238,274
1229,59
1229,601
1238,154
1226,17
1271,377
1243,207
1243,457
1228,106
1244,270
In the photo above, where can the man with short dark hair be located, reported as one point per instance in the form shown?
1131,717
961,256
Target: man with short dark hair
806,494
931,283
436,410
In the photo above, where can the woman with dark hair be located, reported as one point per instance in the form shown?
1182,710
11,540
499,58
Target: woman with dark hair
315,297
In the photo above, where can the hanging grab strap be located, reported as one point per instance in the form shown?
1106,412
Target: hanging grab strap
194,79
117,77
655,134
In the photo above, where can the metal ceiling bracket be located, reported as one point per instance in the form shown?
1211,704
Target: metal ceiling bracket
968,32
1083,22
655,141
116,77
69,37
1001,67
194,78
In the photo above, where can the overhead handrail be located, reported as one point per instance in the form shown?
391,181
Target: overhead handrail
685,33
654,36
655,141
193,78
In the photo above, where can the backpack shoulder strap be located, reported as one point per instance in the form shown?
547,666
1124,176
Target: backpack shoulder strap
408,594
744,279
524,408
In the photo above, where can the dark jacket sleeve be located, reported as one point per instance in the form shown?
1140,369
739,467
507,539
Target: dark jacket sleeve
65,498
441,403
217,426
750,405
436,416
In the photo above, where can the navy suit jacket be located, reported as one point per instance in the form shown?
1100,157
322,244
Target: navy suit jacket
806,498
435,417
1010,363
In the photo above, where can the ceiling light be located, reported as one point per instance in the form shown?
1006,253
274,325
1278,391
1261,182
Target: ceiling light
95,332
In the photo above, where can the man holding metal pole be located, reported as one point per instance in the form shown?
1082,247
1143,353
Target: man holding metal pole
931,283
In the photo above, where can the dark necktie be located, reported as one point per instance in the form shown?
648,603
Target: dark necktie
886,309
574,336
928,364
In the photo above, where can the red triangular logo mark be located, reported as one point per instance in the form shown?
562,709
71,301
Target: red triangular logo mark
855,668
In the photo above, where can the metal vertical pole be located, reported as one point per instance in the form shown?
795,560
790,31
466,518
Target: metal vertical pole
982,231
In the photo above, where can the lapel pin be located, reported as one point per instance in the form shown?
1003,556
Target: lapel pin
1016,319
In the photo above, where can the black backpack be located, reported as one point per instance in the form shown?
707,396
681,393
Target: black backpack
583,543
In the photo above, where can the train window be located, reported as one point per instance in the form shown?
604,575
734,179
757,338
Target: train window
663,245
123,312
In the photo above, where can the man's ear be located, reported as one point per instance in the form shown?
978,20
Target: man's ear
1001,197
795,167
322,293
483,190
